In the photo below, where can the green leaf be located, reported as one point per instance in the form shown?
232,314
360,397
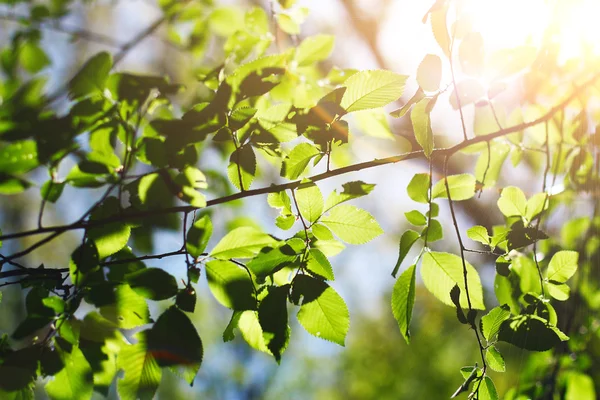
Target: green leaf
92,77
310,202
403,299
198,236
351,190
12,185
579,386
512,202
433,231
174,342
462,187
313,49
74,381
488,167
110,238
296,162
252,332
242,242
142,372
272,259
487,390
51,191
421,123
559,291
429,73
242,167
407,240
273,318
153,283
352,225
323,313
562,266
127,309
494,359
374,123
33,58
418,188
231,285
372,89
19,157
535,205
442,271
491,322
530,332
318,263
416,218
479,234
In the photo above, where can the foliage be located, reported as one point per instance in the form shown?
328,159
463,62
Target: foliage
134,143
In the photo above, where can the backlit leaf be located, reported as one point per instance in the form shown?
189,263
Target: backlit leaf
403,299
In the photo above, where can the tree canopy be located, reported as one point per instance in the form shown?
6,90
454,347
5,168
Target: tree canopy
502,222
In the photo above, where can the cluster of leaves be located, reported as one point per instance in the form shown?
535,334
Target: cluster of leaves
127,135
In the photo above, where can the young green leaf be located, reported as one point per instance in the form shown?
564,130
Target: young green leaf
92,77
421,123
559,291
231,285
512,202
310,202
251,331
487,390
372,89
491,322
318,263
198,236
407,240
296,162
153,283
429,73
442,271
462,187
18,157
535,205
352,225
242,242
351,190
142,374
323,313
433,231
416,218
128,309
562,266
110,238
418,188
51,191
403,299
75,380
242,167
479,234
495,359
313,49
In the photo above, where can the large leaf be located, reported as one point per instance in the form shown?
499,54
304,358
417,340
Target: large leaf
351,224
142,372
421,123
562,266
153,283
530,332
128,309
512,202
323,312
74,381
273,318
243,242
91,78
372,89
174,342
403,299
442,271
231,285
310,202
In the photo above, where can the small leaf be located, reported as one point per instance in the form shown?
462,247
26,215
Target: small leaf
242,167
562,266
127,309
558,291
310,202
433,231
439,27
403,299
535,205
479,234
512,202
323,313
421,123
198,236
462,187
296,162
487,390
495,359
319,264
110,238
313,49
51,191
372,89
491,322
429,73
416,218
406,242
352,225
418,188
231,285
